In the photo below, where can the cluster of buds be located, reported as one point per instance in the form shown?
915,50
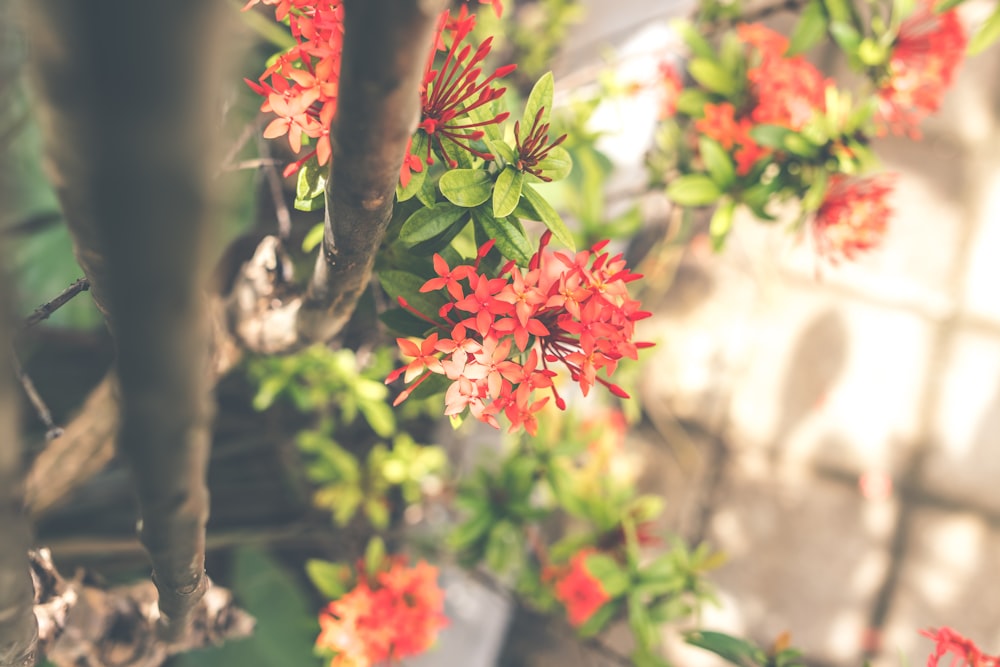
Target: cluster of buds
389,615
497,337
963,651
300,88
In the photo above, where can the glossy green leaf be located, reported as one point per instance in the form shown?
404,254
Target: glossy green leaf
466,187
613,577
693,190
797,144
540,98
501,148
557,165
846,36
484,113
507,192
810,29
330,579
639,621
734,649
712,76
374,555
987,33
407,285
691,102
427,223
511,241
313,238
379,416
696,42
717,161
814,196
548,216
721,224
401,322
770,136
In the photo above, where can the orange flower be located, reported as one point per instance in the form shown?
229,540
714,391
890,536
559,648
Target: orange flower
579,591
398,618
928,50
853,216
721,124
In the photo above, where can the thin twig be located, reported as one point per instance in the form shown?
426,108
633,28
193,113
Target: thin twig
246,135
277,190
51,430
255,163
44,311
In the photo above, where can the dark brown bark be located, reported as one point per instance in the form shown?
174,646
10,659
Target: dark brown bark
128,92
386,43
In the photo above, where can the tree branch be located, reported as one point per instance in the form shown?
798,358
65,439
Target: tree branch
385,47
128,118
18,628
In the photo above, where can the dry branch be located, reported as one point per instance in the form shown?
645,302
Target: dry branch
85,626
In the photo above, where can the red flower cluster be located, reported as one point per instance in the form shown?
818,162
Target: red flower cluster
570,309
853,215
449,93
928,50
395,616
579,591
784,91
302,91
964,651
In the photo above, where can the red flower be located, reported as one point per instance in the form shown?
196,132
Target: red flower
535,147
853,216
964,650
672,85
389,615
300,88
571,310
928,50
579,591
720,123
450,92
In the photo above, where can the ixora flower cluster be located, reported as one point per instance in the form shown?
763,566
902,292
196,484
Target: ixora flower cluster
929,48
497,337
755,123
391,614
963,651
579,591
301,86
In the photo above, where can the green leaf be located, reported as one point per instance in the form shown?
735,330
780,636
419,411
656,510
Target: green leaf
418,147
870,53
557,165
601,618
613,577
946,5
988,33
846,36
286,623
548,216
695,41
814,196
712,76
427,223
540,98
402,322
810,29
379,416
471,531
311,184
770,136
407,285
692,102
507,192
510,239
377,512
735,650
717,161
483,114
638,620
693,190
722,222
466,187
314,237
501,148
503,548
330,579
374,555
797,144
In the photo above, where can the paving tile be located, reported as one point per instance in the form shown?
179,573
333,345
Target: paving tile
964,464
948,579
806,555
